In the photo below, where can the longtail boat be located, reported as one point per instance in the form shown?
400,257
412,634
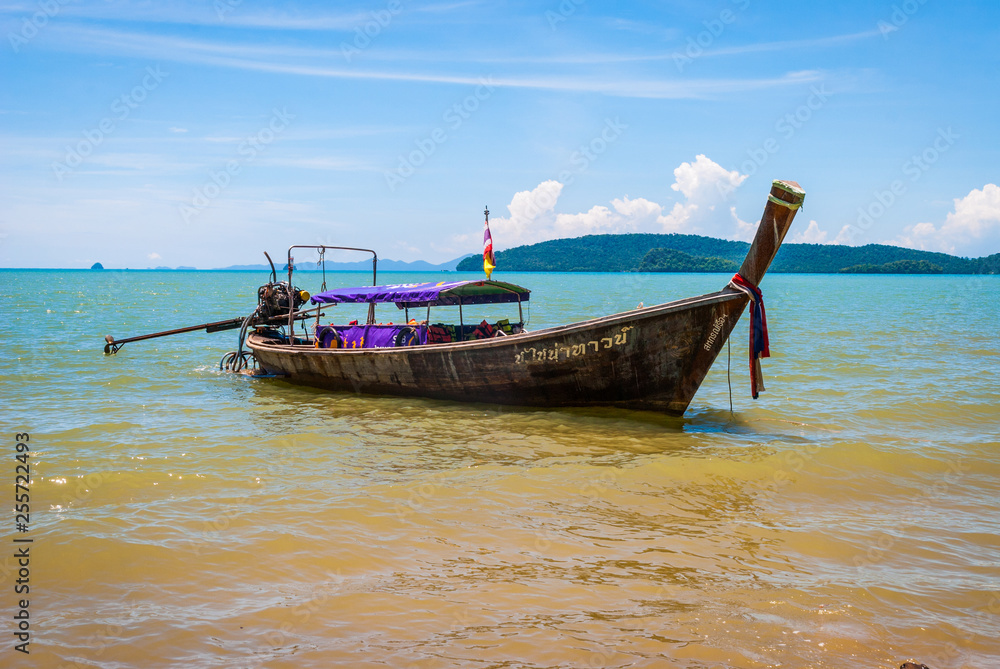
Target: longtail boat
653,358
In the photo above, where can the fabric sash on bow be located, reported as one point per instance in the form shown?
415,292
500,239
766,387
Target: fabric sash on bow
758,332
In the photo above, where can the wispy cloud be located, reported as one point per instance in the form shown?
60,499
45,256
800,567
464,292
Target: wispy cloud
810,43
642,28
613,58
227,15
319,163
449,6
241,16
250,57
147,43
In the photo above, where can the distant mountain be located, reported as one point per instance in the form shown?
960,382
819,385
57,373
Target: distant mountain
895,267
672,260
361,266
694,253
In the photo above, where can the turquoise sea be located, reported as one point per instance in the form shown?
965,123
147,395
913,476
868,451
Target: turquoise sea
183,516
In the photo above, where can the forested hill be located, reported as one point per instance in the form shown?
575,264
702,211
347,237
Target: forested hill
687,253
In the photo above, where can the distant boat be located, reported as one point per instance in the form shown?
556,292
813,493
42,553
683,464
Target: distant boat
654,358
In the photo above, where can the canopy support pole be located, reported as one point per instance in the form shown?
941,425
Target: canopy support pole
322,253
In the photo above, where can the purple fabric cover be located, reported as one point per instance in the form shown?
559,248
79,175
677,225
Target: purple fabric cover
445,292
375,336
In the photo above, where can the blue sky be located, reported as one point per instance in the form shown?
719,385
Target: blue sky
200,134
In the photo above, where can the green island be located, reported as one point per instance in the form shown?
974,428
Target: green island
694,253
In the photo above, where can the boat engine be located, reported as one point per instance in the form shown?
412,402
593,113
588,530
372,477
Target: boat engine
273,299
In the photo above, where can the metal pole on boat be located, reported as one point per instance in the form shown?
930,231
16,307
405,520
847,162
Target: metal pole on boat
461,322
371,306
112,345
291,322
323,248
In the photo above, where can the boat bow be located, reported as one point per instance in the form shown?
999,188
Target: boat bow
784,200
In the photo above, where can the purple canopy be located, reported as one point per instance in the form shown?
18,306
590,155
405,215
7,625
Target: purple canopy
428,294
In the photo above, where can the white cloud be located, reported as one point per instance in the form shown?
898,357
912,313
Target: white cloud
625,215
153,256
811,235
532,216
744,231
846,236
973,226
705,186
175,129
703,183
701,180
407,248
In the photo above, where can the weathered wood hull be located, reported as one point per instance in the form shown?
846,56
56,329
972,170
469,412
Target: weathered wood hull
651,359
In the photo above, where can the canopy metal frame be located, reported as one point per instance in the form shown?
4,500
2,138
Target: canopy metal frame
323,248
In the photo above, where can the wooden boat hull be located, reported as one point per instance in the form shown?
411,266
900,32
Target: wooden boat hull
650,359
